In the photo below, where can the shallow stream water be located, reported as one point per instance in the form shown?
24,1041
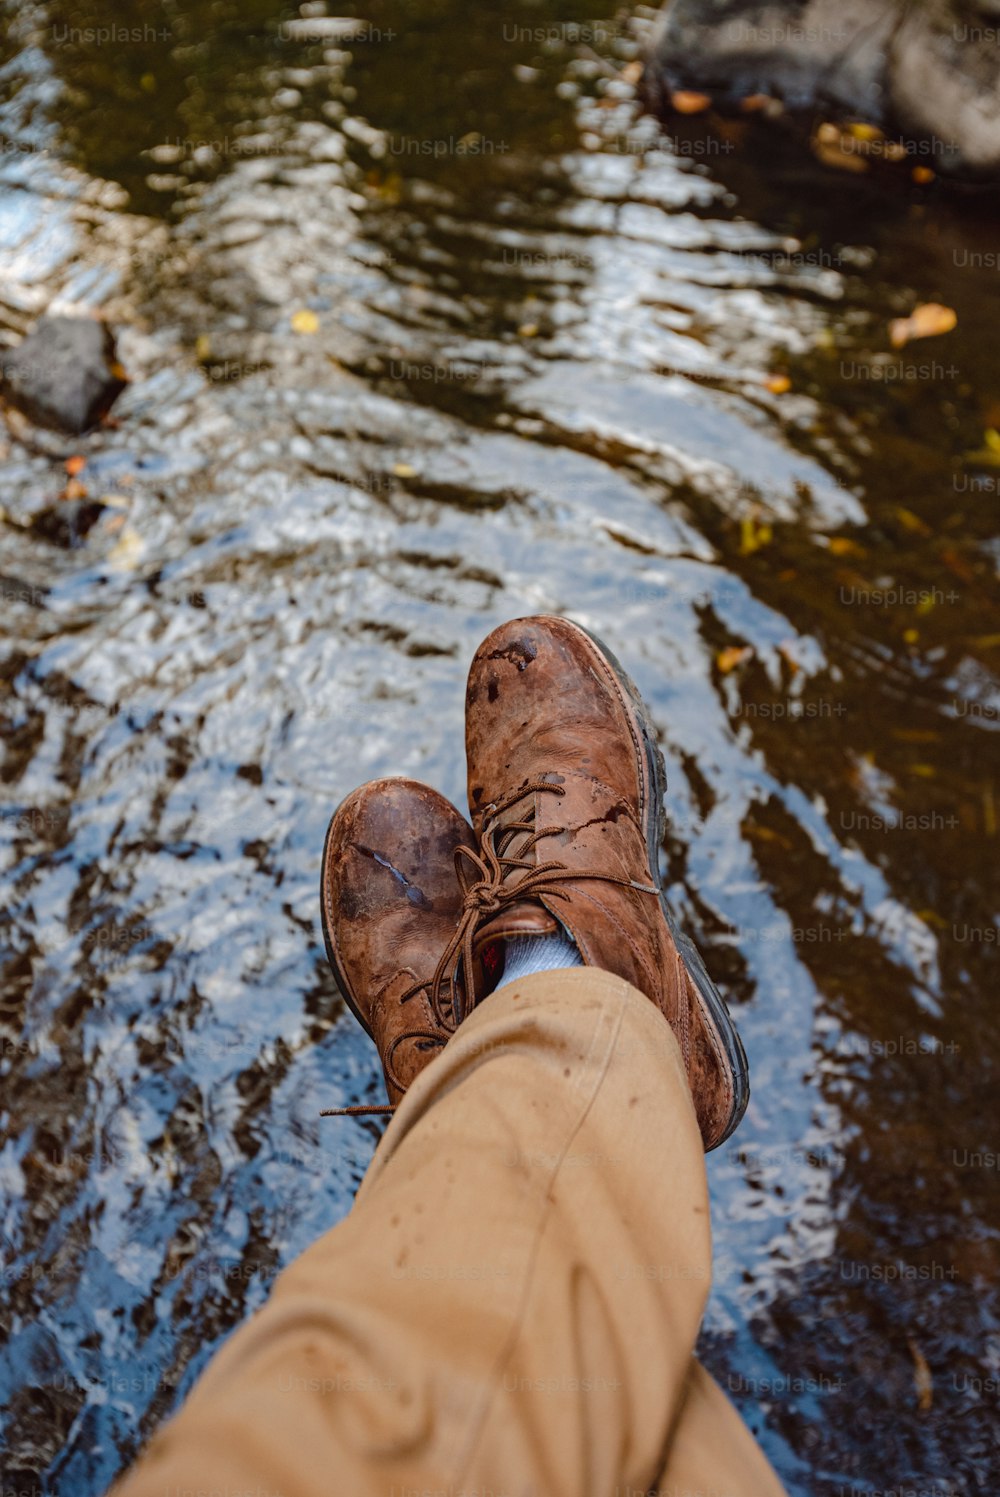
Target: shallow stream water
428,327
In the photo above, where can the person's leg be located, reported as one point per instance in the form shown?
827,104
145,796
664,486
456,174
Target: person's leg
512,1304
699,1462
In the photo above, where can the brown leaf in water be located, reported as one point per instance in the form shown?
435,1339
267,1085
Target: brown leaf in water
787,655
733,655
687,101
929,320
957,564
842,545
768,834
837,149
922,1379
762,104
75,465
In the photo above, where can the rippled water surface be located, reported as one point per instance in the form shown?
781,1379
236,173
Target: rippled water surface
562,360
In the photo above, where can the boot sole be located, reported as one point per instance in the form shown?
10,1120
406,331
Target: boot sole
716,1012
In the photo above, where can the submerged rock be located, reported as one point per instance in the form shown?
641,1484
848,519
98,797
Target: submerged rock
64,374
926,71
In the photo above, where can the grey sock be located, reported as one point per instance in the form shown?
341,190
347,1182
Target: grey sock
524,955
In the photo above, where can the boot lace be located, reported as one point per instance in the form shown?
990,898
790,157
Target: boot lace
435,1037
495,889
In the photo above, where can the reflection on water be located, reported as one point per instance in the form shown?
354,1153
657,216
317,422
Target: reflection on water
553,358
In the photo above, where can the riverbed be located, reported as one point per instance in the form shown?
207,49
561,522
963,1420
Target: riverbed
426,327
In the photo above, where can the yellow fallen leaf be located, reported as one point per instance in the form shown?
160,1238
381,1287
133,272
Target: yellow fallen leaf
928,320
931,917
778,384
910,521
988,455
687,101
911,636
733,655
75,465
125,555
305,322
753,536
403,470
203,348
842,545
872,141
925,771
632,72
528,330
985,457
922,175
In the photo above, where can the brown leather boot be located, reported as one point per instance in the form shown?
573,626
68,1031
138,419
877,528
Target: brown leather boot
566,788
391,899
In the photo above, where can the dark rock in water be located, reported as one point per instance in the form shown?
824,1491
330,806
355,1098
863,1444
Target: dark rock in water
64,374
926,71
67,523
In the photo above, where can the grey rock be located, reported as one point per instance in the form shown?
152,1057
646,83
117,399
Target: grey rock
63,375
926,71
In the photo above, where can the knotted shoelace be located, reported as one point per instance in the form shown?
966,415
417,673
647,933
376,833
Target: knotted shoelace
486,896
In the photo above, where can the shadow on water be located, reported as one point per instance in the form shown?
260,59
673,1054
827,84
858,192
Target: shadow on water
562,360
